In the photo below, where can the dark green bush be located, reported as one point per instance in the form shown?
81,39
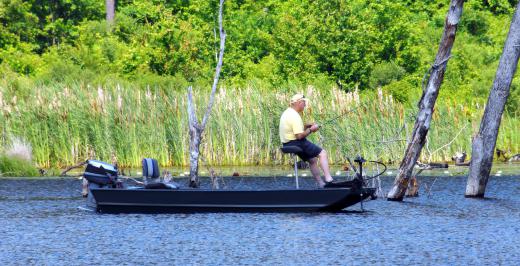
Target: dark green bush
475,23
384,73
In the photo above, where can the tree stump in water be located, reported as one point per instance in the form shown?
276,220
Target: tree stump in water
485,141
413,188
427,103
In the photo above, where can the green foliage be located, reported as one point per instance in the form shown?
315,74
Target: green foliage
268,40
13,166
513,102
272,47
69,124
475,23
385,73
343,42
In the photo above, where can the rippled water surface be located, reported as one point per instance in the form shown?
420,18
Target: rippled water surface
40,223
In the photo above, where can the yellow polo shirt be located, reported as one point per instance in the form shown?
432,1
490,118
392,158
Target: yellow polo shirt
291,123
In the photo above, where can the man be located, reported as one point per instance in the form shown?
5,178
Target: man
294,133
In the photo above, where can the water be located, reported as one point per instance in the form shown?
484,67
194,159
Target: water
40,223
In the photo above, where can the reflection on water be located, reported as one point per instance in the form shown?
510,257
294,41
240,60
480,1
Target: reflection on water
40,223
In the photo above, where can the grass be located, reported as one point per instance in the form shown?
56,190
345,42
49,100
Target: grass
67,124
15,166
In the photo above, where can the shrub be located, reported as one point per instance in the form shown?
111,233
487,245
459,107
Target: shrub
475,23
385,73
15,166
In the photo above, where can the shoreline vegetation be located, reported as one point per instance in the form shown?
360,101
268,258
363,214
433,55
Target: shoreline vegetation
67,124
74,86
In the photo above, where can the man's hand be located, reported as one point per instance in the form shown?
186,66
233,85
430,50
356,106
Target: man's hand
314,127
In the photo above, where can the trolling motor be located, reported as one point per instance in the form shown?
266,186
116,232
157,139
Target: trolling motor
356,183
360,160
361,183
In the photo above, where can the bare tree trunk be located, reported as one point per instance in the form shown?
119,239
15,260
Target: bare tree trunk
195,139
195,128
110,7
427,103
485,141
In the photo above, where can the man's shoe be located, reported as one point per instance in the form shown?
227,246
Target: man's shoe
330,184
353,184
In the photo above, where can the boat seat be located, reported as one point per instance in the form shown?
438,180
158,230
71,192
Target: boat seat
150,170
293,150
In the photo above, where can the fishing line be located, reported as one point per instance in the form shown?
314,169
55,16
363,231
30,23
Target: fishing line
341,115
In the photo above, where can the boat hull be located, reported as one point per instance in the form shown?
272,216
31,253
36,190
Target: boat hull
109,200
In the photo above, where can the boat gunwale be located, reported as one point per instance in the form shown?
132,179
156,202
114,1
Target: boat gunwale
228,190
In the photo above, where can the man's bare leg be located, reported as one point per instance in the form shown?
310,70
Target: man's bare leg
324,161
315,170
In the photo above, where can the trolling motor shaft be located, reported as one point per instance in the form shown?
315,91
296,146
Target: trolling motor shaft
360,160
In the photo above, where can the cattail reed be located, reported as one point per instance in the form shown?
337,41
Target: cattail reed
67,124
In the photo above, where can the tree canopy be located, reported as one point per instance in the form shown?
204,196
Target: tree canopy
355,43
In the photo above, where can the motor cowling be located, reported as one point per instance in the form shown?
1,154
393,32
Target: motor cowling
100,173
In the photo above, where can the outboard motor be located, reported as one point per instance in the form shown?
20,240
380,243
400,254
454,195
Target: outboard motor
99,174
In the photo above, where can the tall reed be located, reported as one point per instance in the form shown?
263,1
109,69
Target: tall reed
67,124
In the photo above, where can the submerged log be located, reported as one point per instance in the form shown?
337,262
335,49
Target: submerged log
78,165
485,141
427,103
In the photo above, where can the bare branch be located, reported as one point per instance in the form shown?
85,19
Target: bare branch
78,165
218,68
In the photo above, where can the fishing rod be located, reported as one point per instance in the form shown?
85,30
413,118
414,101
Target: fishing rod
336,117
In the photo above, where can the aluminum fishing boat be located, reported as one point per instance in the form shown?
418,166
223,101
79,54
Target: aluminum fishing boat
106,195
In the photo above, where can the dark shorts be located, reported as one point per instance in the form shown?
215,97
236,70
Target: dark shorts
310,150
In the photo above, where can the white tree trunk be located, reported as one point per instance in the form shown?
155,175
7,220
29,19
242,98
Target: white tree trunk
484,143
427,103
195,139
196,129
110,7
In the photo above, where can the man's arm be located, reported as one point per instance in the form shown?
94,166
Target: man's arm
308,130
304,134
